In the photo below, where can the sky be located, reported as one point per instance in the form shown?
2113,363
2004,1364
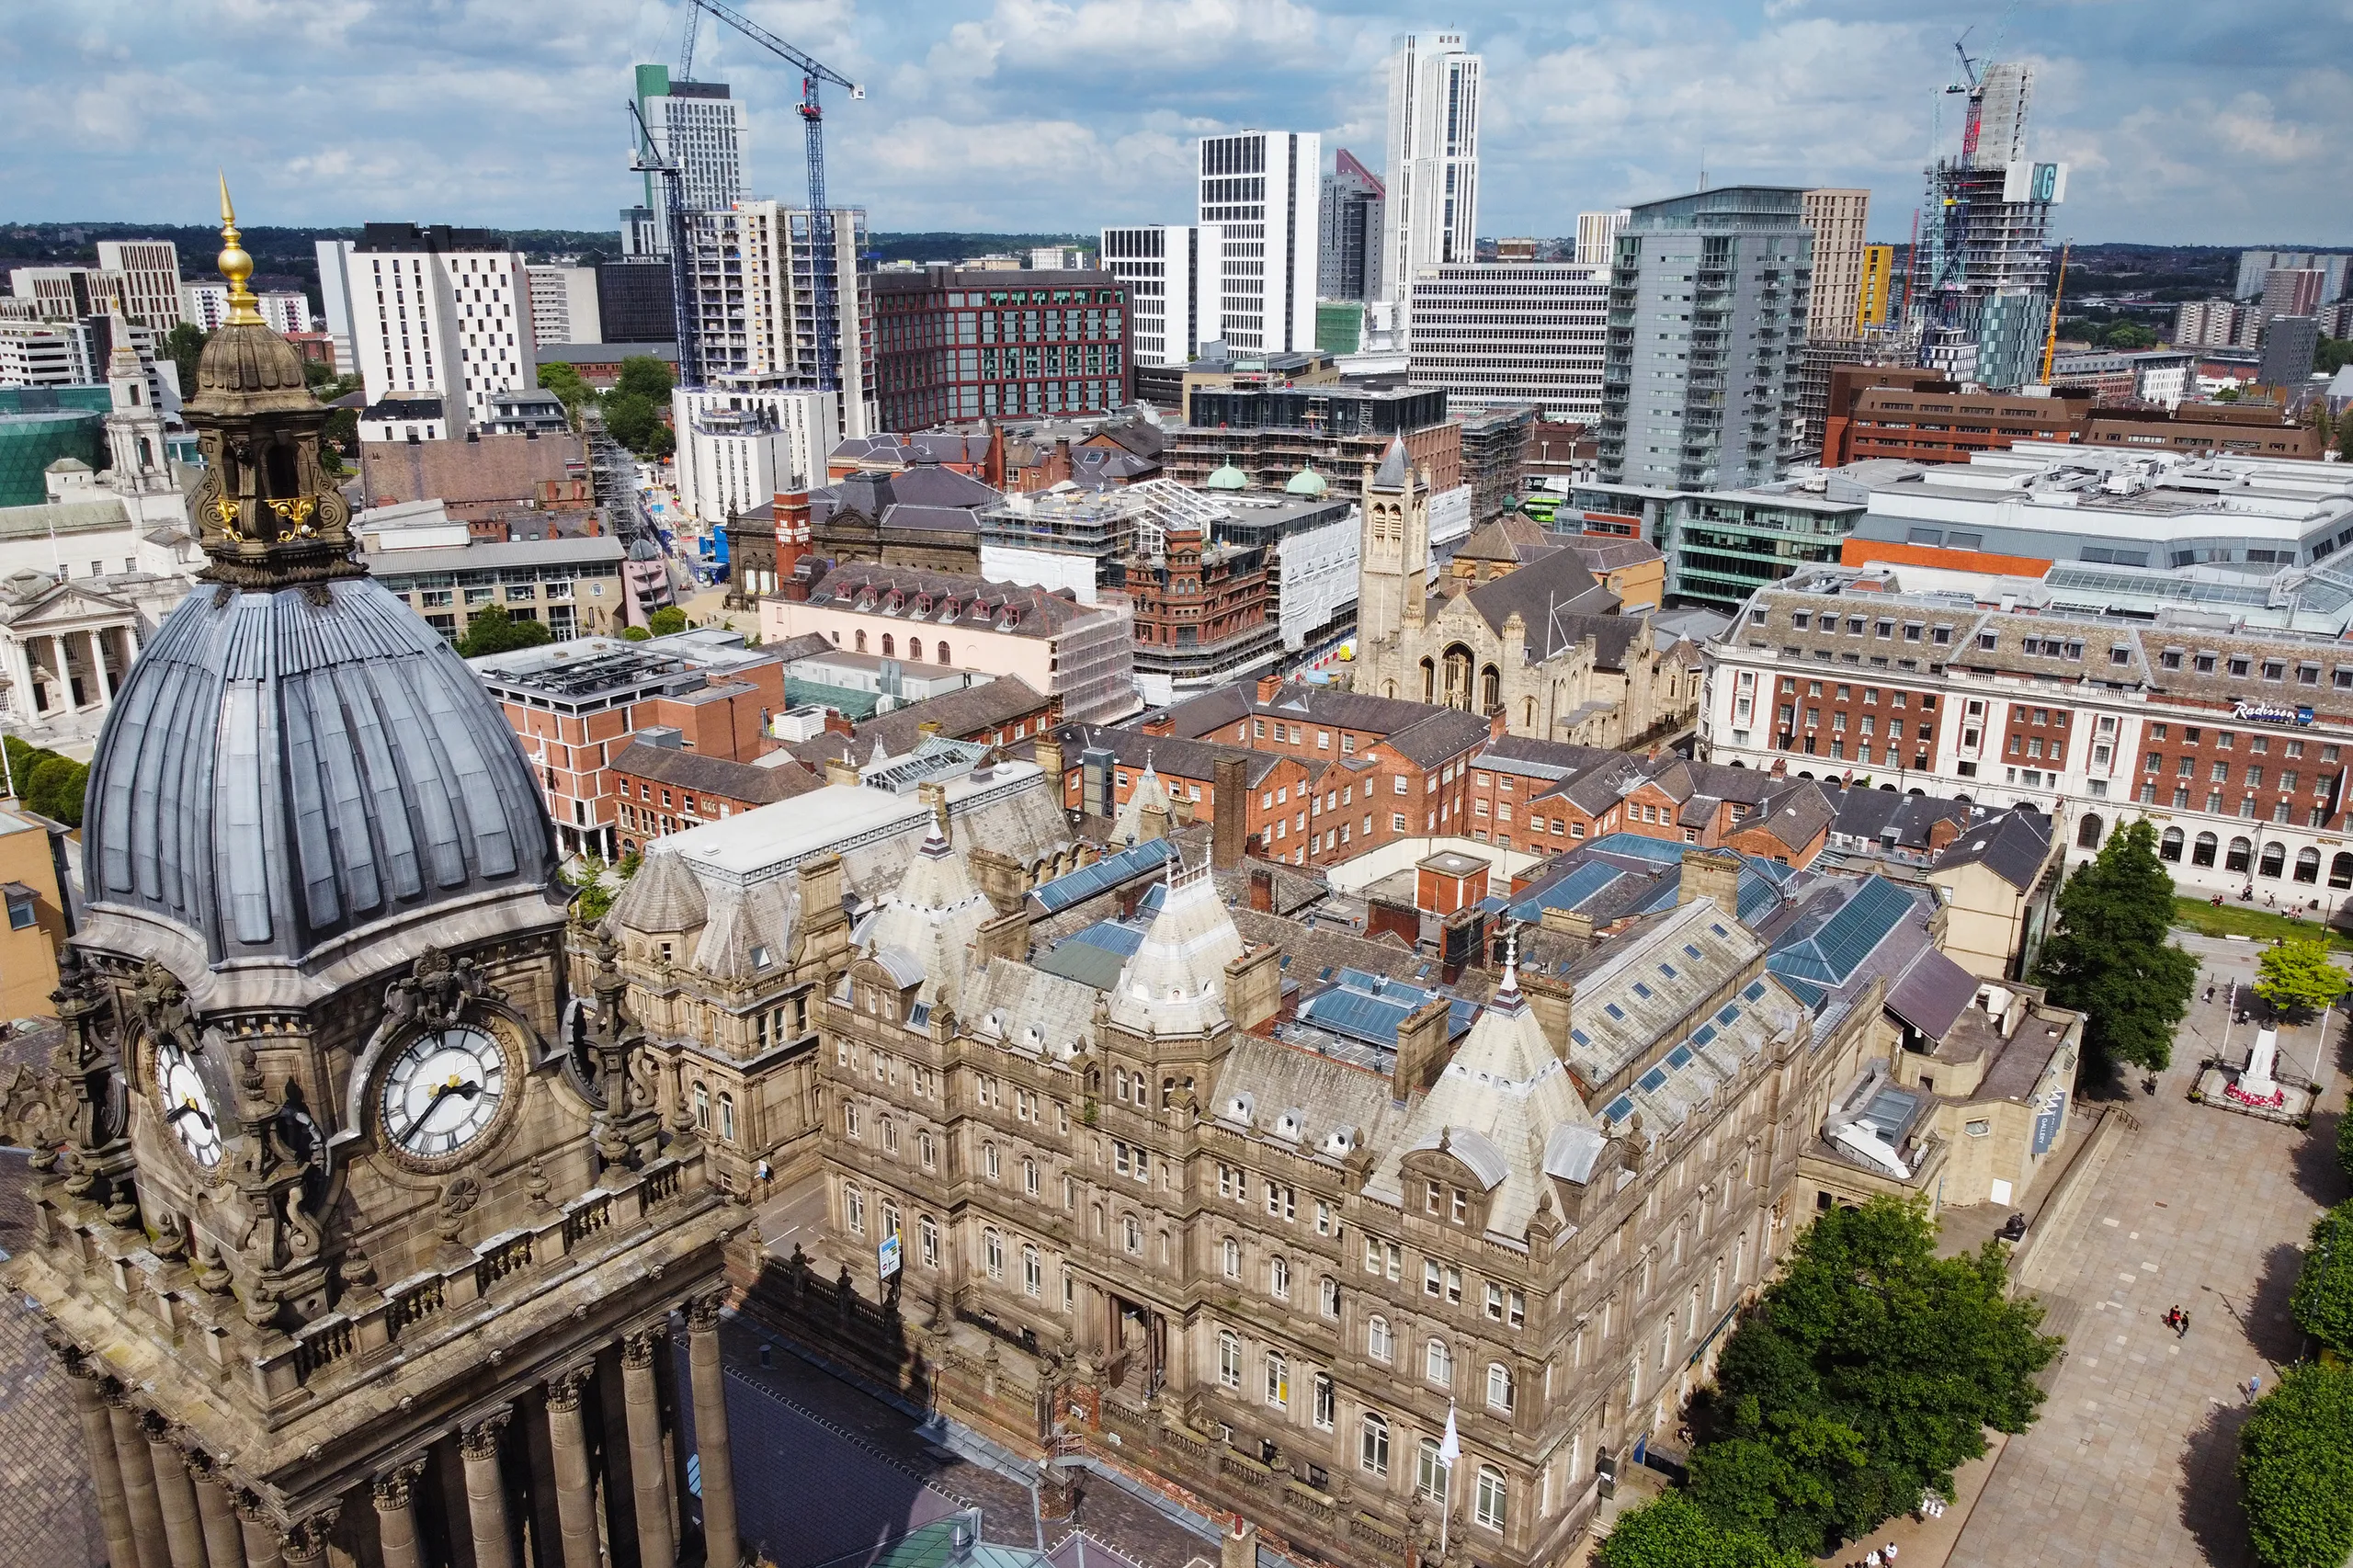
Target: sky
2187,122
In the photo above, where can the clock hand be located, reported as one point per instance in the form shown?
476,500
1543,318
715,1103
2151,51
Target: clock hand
187,1108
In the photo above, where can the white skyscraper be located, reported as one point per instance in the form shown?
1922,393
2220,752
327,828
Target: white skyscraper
1263,189
1173,275
1433,208
697,125
435,312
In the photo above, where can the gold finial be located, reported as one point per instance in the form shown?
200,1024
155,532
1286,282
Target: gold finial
236,265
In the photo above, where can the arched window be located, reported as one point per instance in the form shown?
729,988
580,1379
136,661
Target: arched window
927,1240
1528,712
702,1108
1030,1176
1278,1278
853,1210
1277,1380
1438,1363
1331,1297
2240,856
1374,1452
926,1150
887,649
2202,852
889,1219
2087,832
940,654
1491,689
1492,1489
993,1253
2169,844
990,1162
1032,1271
2340,871
1132,1234
915,650
1377,1342
1430,681
1232,1258
727,1123
861,642
1228,1359
1430,1471
1499,1387
2275,859
2308,864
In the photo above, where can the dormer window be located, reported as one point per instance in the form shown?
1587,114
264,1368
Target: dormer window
761,958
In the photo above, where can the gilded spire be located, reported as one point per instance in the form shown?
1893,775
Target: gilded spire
236,267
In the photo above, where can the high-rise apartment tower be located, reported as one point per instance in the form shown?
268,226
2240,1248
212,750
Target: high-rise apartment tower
697,125
1354,210
1837,218
1597,236
1173,273
1984,275
1433,210
1260,187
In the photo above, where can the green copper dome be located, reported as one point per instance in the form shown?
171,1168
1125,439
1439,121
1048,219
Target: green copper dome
1307,482
1229,478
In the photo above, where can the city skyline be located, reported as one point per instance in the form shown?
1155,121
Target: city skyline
2190,125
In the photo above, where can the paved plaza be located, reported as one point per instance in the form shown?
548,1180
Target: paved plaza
2131,1464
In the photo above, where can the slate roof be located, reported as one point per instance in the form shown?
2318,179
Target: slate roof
1873,815
747,781
2012,846
1561,604
947,598
1932,993
1422,733
1515,537
1176,758
926,496
1391,474
808,645
1607,552
973,711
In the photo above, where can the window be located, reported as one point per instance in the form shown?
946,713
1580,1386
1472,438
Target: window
854,1210
993,1253
926,1150
1278,1278
1029,1176
1329,1297
1377,1343
1229,1360
1491,1497
1132,1234
927,1238
1438,1363
1277,1380
1374,1452
1499,1387
990,1162
727,1124
1232,1252
1323,1400
702,1108
1032,1273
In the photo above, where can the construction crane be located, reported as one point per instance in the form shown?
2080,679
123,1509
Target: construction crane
821,218
647,157
2050,339
687,46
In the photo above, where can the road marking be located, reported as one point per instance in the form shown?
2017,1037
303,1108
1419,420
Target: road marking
2108,1222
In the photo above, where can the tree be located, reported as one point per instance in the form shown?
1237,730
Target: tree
636,423
56,788
2345,1137
183,345
492,630
1865,1378
565,382
2345,440
1673,1532
635,634
2296,977
594,886
2109,957
666,621
643,375
2323,1298
2296,1467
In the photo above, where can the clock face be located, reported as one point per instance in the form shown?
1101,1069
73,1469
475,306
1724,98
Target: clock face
188,1108
443,1091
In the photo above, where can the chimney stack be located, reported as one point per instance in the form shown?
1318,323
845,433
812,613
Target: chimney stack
1229,811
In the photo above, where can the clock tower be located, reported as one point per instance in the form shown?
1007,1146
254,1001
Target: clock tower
356,1227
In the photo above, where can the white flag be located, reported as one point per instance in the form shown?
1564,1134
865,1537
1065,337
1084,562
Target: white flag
1449,1447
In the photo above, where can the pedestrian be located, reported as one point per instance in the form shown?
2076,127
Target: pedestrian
1888,1552
1870,1558
2254,1386
2181,1326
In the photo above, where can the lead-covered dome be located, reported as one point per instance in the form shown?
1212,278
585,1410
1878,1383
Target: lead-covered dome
282,768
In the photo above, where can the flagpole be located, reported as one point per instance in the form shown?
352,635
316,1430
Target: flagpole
1449,1448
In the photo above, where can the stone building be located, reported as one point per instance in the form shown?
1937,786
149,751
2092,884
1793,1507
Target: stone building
358,1248
1271,1262
1528,634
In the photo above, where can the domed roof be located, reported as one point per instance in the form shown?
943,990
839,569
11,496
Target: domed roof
282,768
1228,477
1307,482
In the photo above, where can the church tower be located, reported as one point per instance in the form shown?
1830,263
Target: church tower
357,1230
135,452
1393,560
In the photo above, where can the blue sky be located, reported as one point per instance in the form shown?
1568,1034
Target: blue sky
2216,121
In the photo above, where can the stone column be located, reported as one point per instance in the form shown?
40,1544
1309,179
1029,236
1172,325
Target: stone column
396,1516
303,1544
137,1483
183,1532
225,1544
720,1549
648,1478
98,665
106,1471
261,1535
486,1491
575,1489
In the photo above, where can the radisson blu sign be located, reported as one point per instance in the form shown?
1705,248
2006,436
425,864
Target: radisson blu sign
2272,713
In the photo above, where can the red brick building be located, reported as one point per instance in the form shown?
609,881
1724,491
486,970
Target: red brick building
1916,416
952,345
1542,797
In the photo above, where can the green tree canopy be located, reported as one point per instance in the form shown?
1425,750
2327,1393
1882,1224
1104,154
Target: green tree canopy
643,375
492,630
56,788
2296,1467
2323,1300
636,423
2296,977
1865,1378
595,885
565,382
2110,958
1675,1532
2345,1137
183,345
665,621
635,634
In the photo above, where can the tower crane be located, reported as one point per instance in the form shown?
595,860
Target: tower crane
686,45
647,157
814,72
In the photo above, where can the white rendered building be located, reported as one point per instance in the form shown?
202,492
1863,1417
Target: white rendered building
1263,191
149,270
743,438
1598,235
207,305
437,312
1172,271
1499,332
564,305
1433,206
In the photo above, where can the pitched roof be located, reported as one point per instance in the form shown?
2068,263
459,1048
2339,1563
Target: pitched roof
2012,846
750,782
973,711
1391,474
1560,603
1514,536
947,598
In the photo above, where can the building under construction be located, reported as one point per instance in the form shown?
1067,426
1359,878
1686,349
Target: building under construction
1981,298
